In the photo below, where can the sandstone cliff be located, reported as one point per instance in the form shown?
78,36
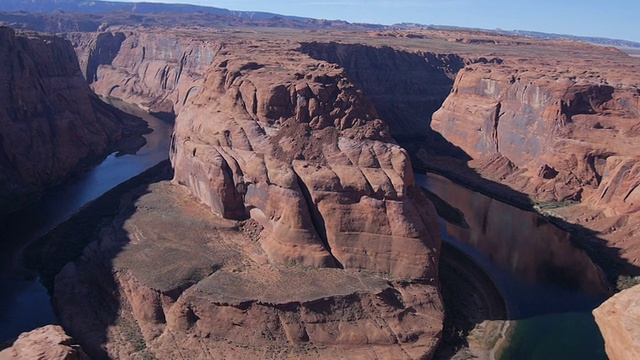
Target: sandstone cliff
407,87
332,251
51,123
549,133
618,320
157,71
558,128
319,170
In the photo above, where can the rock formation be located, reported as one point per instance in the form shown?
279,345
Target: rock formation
281,136
157,71
46,343
51,123
558,126
319,243
619,321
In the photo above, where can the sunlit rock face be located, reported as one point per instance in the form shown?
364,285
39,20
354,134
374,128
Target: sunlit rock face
619,321
559,132
51,123
317,162
159,72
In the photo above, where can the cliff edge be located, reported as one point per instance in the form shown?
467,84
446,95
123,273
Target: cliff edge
51,123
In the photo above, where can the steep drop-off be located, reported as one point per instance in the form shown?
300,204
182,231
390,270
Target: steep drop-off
406,87
158,72
51,123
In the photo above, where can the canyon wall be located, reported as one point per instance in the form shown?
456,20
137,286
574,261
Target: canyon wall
548,132
159,72
406,87
51,123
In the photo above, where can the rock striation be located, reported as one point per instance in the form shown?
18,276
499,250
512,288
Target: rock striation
317,163
51,123
549,133
157,71
618,320
559,128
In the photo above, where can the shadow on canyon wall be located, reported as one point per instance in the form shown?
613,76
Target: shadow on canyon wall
406,88
606,257
70,240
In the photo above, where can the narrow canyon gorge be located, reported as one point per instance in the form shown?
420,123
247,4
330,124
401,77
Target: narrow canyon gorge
292,225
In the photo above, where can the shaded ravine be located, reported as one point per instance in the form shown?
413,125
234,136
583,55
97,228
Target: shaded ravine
25,303
549,286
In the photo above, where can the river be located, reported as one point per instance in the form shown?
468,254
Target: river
549,286
25,303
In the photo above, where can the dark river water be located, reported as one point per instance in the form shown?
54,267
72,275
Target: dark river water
24,302
549,286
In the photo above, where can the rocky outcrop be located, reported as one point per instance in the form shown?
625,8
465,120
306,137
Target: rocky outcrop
331,252
51,123
559,128
562,137
46,343
619,321
317,174
169,279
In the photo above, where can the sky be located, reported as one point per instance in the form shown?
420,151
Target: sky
617,19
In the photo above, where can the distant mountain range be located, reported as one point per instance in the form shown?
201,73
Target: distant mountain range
96,7
525,33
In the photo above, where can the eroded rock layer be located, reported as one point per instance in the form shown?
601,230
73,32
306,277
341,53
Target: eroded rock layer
156,70
548,132
51,123
320,173
558,127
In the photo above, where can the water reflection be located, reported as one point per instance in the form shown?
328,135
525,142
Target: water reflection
523,242
25,303
549,286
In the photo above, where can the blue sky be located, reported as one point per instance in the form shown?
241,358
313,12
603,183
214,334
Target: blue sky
618,19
